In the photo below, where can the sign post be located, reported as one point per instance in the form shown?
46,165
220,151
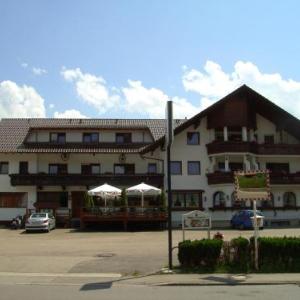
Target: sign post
196,219
253,186
169,140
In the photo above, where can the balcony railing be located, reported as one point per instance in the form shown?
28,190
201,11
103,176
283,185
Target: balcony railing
275,178
85,180
122,214
253,147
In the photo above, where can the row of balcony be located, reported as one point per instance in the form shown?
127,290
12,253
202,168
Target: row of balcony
253,147
85,180
275,178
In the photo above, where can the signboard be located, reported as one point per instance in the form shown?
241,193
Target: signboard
196,219
252,185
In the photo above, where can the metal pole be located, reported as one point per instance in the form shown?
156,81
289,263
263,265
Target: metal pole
182,224
255,236
169,205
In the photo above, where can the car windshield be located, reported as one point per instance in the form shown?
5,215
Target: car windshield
38,216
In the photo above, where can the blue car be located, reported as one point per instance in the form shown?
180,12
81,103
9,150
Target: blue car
242,219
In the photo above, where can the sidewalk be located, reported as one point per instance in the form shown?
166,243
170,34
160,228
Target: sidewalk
215,279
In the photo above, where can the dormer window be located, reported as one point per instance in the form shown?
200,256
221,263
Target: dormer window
123,138
90,137
58,137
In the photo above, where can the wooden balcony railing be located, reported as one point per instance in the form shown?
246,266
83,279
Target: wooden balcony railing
275,178
122,214
252,147
85,180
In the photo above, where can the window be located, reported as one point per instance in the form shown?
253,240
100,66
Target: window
13,200
58,169
219,135
88,169
3,167
152,168
124,169
235,134
95,169
58,137
232,166
219,199
278,167
90,137
267,203
63,199
289,199
194,168
193,138
123,138
23,167
176,168
269,139
187,199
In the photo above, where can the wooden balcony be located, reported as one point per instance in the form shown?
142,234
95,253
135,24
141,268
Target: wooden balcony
85,180
275,178
220,178
252,147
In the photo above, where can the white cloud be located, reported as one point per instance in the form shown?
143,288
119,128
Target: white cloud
24,65
92,89
213,83
20,101
70,114
152,101
51,105
39,71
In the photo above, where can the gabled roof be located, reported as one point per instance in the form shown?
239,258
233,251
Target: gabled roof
281,118
13,133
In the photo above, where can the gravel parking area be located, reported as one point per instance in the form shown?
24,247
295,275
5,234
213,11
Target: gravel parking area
65,250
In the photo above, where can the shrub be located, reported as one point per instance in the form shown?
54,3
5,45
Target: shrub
279,254
88,201
239,260
123,199
202,254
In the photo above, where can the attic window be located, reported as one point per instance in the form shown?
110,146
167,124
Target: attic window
58,137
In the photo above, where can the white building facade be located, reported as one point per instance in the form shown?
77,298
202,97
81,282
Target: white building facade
51,163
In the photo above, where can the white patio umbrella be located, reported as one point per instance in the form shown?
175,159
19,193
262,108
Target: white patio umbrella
105,190
142,189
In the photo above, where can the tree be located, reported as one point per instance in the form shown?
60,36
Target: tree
163,201
124,200
88,200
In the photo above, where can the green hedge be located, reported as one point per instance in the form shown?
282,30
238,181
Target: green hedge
200,253
240,255
279,254
276,254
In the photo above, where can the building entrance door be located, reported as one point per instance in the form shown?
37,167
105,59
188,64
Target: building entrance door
77,203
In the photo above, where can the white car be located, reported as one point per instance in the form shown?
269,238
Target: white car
40,221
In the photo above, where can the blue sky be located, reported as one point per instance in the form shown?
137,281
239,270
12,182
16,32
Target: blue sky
126,58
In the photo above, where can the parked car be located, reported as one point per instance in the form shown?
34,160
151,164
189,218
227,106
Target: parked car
242,219
40,221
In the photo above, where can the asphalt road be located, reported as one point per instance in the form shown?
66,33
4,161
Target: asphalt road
134,292
69,251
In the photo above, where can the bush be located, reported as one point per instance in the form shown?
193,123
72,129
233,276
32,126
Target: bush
203,254
279,254
239,259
